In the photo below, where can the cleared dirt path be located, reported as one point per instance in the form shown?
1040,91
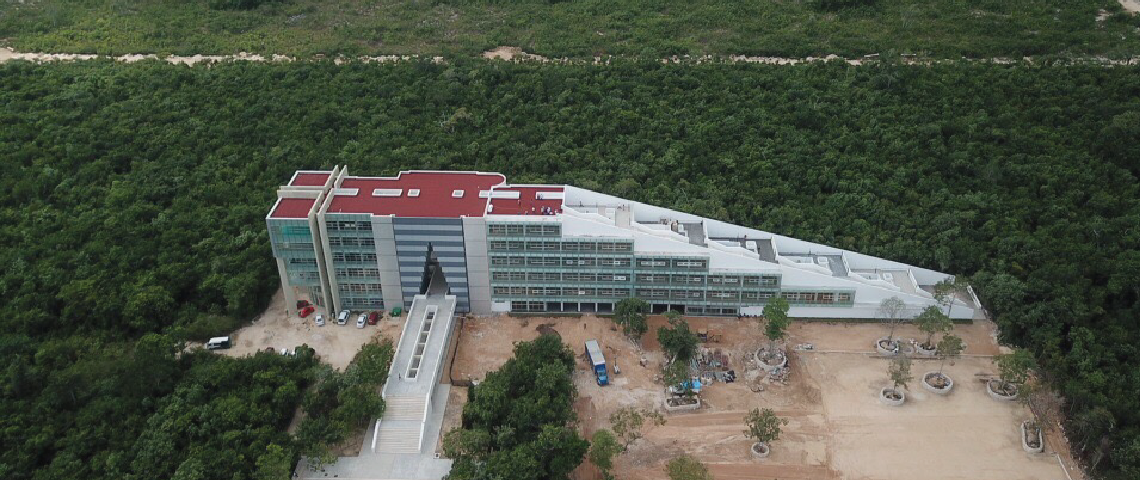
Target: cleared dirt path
515,54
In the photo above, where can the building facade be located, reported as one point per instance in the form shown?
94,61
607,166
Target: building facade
371,243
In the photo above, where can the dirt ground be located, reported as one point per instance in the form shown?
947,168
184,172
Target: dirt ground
837,428
335,344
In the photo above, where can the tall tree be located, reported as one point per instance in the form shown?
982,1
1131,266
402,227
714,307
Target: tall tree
630,314
890,310
603,448
679,342
776,313
932,322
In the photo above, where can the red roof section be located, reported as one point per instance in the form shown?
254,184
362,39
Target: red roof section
293,208
527,203
435,197
309,180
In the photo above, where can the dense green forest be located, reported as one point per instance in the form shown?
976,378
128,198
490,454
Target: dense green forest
516,423
134,198
575,28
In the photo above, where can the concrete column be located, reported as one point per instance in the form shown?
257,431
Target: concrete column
388,262
478,265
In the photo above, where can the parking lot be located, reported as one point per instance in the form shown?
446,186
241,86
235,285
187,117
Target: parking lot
279,327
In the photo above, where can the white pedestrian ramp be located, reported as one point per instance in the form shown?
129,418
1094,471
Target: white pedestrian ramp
400,427
414,377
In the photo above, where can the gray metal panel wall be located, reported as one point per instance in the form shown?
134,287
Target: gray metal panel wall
478,265
445,235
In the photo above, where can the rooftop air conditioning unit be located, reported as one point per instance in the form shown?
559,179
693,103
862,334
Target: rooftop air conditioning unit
414,192
457,194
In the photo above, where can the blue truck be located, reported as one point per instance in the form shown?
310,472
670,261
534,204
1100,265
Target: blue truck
594,355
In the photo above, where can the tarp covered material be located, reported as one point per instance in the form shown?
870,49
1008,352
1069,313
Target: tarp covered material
693,384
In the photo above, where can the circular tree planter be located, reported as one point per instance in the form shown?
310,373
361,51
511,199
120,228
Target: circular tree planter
760,450
891,396
936,382
996,391
1031,440
771,363
885,347
921,350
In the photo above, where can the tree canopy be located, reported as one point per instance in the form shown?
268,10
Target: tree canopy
135,196
576,28
516,422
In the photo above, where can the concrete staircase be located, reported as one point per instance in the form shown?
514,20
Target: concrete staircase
401,424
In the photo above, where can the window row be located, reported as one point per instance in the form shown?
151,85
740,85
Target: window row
519,306
355,272
572,262
656,293
363,302
290,232
732,295
305,262
554,246
353,257
348,225
748,280
536,230
559,292
295,246
305,276
359,287
817,298
675,279
671,263
559,277
352,241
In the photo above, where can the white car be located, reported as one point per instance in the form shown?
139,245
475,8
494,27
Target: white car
320,320
342,318
360,320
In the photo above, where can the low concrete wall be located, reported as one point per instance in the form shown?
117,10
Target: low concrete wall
889,401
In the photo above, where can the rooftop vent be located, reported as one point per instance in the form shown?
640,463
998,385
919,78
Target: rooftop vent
387,192
414,192
457,194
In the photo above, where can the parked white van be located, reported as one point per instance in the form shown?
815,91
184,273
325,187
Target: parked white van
218,343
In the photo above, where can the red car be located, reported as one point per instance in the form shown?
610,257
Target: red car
306,311
373,318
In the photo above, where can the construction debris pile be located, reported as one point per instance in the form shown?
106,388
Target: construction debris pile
712,366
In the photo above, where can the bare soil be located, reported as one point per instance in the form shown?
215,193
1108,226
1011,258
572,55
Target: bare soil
837,428
511,53
279,327
452,413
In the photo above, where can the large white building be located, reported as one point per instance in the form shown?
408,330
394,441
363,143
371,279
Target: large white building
365,243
